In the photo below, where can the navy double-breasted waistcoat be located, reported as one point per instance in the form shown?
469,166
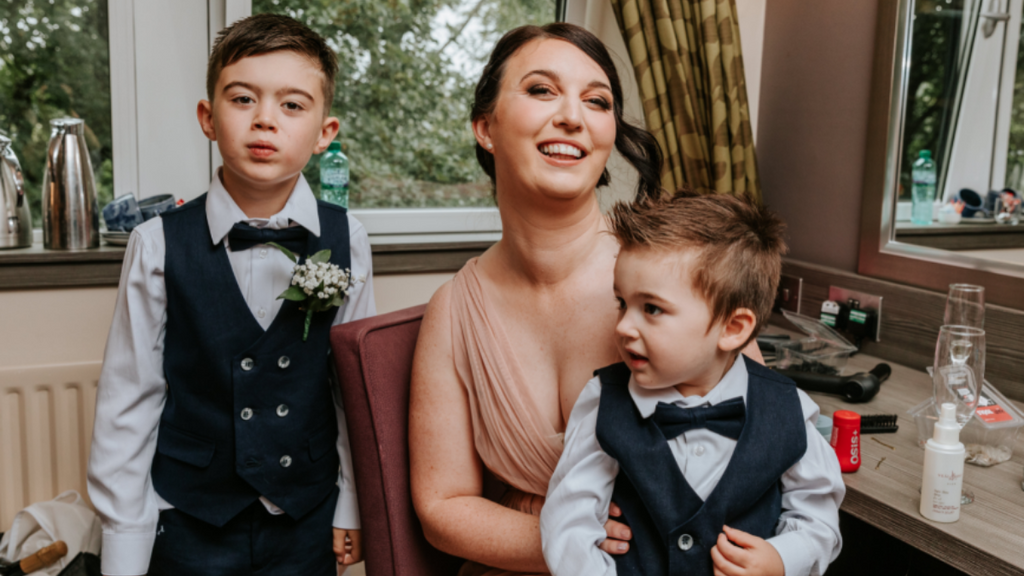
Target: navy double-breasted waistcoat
673,529
249,412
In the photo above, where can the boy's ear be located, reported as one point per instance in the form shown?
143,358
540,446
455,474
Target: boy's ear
737,329
482,131
204,112
328,130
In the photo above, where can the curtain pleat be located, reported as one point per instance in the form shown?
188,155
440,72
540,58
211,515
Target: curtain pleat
689,67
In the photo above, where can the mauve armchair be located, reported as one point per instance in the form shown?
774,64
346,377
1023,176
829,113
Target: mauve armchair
374,362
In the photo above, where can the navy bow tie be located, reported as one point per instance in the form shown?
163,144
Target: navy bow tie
244,236
725,418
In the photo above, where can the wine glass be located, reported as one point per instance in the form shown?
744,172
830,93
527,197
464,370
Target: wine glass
959,369
965,306
957,375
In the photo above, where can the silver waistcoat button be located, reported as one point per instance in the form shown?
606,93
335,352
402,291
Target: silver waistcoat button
284,362
685,542
282,410
246,413
286,461
247,364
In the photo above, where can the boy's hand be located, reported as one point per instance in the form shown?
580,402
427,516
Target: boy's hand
618,533
348,546
749,556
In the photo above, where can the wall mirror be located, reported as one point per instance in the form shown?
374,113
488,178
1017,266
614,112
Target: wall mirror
947,124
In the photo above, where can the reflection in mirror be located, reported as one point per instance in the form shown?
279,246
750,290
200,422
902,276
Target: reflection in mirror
963,108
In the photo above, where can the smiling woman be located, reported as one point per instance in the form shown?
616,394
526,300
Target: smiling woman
506,347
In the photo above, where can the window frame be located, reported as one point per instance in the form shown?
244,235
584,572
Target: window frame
130,127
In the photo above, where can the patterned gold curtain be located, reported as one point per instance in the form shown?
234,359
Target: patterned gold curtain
686,55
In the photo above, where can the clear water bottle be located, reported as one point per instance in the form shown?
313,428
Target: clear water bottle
923,175
334,176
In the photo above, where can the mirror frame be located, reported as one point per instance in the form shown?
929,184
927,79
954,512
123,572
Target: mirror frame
880,255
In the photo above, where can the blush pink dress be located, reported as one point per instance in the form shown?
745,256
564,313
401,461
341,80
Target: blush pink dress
513,439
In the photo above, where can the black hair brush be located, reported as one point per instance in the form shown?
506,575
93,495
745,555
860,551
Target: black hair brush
878,424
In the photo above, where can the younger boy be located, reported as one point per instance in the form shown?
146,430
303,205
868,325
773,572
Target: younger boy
713,458
218,444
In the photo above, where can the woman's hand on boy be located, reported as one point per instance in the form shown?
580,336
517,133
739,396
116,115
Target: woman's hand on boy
740,554
618,533
348,546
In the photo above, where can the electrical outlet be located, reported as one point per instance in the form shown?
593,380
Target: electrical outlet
788,296
867,302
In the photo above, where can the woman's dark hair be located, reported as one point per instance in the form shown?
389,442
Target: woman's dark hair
637,145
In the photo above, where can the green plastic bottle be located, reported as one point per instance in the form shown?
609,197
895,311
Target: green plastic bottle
334,176
923,175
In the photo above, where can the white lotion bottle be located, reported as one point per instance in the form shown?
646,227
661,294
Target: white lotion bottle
943,477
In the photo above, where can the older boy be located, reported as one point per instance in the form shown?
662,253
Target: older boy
713,459
218,444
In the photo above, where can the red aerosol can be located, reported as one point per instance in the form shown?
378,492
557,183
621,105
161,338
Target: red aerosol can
846,439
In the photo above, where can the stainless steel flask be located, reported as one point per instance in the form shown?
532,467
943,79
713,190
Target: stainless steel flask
15,218
70,214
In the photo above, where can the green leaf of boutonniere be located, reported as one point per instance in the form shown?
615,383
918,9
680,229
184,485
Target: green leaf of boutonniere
291,256
321,256
293,293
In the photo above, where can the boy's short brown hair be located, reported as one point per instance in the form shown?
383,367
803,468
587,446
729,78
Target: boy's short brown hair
264,33
740,245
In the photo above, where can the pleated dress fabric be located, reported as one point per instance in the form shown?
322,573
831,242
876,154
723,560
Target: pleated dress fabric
516,443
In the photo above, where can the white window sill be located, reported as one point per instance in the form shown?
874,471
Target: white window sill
430,225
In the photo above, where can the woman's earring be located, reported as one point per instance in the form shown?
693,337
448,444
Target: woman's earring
490,146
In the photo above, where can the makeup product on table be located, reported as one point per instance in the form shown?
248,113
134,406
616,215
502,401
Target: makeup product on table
824,426
989,436
846,439
943,476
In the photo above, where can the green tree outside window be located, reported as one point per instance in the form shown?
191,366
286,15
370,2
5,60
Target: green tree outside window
407,70
55,62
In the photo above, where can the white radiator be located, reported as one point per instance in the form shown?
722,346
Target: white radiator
46,416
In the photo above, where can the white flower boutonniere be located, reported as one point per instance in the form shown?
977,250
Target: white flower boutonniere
317,284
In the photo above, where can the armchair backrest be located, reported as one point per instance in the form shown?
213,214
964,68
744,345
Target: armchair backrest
374,361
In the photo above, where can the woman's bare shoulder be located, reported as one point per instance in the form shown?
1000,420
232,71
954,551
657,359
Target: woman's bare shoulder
438,312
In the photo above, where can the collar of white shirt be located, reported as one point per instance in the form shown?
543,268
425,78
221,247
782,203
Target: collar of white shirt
733,384
222,213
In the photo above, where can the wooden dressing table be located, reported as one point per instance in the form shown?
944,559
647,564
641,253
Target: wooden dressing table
885,493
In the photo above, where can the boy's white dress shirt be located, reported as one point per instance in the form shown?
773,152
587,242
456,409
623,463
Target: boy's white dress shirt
572,520
132,387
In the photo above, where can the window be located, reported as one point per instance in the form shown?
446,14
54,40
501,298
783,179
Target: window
965,96
54,62
938,54
404,91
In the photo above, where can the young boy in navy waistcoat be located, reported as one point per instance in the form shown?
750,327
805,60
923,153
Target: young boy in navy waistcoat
713,459
220,445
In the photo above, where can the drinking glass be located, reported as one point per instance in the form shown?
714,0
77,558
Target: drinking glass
965,306
959,369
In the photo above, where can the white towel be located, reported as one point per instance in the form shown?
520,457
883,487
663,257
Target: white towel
66,518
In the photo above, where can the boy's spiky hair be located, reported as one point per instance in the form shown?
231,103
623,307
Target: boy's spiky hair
264,33
740,245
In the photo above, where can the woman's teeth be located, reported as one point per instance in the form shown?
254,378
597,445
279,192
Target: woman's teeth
561,150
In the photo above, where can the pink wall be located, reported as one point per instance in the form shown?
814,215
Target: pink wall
812,125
